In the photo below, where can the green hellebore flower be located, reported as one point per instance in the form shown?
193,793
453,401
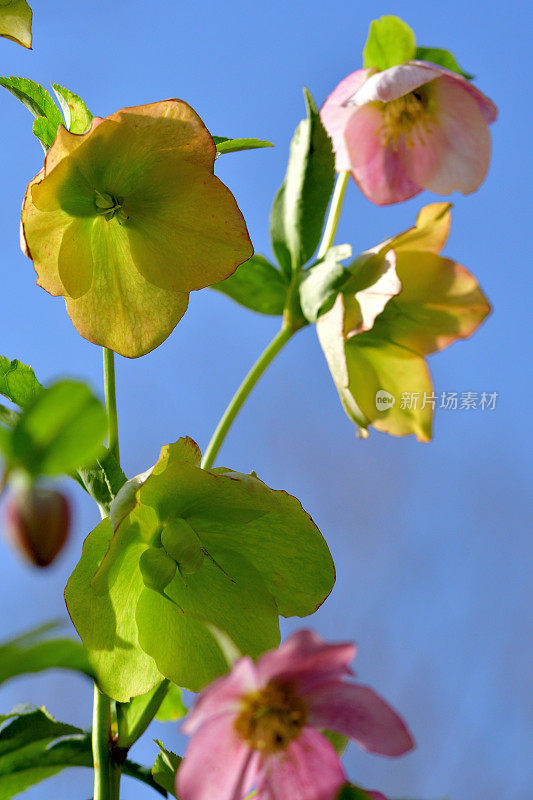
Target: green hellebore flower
402,302
187,551
128,218
15,21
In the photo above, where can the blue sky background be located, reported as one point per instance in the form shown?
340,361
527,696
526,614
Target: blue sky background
431,541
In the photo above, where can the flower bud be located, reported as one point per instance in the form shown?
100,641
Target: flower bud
37,522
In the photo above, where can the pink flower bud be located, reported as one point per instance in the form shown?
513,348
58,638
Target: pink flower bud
37,522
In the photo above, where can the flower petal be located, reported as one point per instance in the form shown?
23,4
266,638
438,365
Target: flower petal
378,170
309,769
118,312
487,107
186,215
307,660
395,81
358,712
454,151
222,696
335,114
217,764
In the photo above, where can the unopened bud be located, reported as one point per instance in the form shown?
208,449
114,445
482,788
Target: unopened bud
37,522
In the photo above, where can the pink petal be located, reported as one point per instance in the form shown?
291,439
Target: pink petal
454,153
217,764
358,712
335,115
309,769
222,696
379,171
395,82
306,660
486,106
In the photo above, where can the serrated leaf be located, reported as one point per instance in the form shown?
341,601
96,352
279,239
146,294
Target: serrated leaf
299,208
35,652
18,382
62,429
225,145
165,768
39,103
15,22
322,282
78,118
257,285
390,41
436,55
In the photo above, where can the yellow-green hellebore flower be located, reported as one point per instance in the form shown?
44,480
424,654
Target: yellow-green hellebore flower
128,218
15,21
403,302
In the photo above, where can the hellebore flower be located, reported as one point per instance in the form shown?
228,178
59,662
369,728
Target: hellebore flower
402,302
128,218
261,725
410,127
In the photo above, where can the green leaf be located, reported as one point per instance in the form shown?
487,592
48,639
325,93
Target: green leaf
350,792
33,747
102,480
257,285
39,103
299,208
15,21
77,116
18,382
322,282
436,55
339,742
34,652
45,131
261,556
390,41
165,768
62,429
172,708
225,145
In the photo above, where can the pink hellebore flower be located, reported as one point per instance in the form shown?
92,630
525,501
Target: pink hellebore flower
260,725
410,127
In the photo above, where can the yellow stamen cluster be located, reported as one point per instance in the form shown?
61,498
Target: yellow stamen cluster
271,718
401,116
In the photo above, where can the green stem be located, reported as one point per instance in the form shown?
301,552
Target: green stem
111,402
237,402
106,772
334,213
101,747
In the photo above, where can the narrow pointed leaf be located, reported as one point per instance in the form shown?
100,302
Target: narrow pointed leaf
225,145
257,285
77,116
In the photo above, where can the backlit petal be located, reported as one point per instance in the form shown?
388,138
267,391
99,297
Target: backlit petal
335,114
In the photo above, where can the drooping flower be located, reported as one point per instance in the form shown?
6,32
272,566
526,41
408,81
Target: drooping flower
261,725
128,218
413,126
37,522
402,302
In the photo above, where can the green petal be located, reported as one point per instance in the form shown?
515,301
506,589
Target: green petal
105,621
185,228
15,21
176,636
123,311
71,252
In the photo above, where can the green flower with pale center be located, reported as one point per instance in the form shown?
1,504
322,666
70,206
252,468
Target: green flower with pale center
128,218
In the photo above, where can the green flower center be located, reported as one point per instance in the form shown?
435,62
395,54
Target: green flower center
271,718
109,206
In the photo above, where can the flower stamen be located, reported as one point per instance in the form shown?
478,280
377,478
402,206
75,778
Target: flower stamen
401,116
271,718
109,206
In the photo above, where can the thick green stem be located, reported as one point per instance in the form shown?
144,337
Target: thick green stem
111,402
101,747
266,358
334,213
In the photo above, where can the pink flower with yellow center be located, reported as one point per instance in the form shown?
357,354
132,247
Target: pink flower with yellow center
261,725
410,127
